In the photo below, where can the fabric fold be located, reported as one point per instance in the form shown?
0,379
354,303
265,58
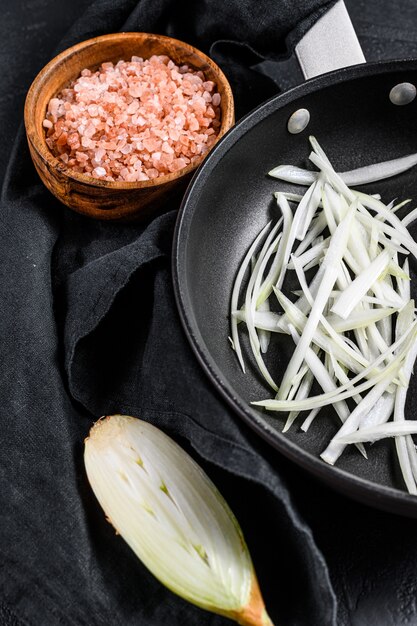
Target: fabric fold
129,313
89,326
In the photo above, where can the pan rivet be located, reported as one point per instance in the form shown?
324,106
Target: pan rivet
298,121
403,93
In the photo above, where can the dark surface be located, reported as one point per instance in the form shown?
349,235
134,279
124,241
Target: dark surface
88,326
229,202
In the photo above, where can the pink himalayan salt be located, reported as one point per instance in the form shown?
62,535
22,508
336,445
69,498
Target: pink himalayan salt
135,120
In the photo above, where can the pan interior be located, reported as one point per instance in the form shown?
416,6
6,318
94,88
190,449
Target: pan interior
230,200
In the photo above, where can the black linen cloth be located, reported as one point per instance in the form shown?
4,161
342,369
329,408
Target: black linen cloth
88,326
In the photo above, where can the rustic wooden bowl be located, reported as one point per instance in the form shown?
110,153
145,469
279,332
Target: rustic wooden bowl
87,195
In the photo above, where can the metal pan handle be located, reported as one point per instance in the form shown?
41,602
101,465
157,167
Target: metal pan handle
330,44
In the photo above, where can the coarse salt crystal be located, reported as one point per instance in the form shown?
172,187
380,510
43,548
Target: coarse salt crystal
167,148
99,154
99,171
209,85
178,164
192,123
92,110
216,99
127,149
152,172
148,118
133,107
135,92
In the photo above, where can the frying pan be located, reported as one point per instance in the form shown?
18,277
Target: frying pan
230,199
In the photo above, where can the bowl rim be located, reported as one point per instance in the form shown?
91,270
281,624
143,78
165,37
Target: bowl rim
39,144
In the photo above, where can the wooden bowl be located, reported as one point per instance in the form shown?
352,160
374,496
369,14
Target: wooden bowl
97,198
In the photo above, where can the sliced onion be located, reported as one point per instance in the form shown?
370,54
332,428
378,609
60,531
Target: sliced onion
360,176
342,321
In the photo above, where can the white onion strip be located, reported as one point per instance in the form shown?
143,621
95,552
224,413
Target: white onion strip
236,291
353,294
342,322
359,176
333,255
375,433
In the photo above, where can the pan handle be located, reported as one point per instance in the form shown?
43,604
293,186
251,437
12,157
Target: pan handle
330,44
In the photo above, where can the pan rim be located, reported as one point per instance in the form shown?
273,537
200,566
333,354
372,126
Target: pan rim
361,489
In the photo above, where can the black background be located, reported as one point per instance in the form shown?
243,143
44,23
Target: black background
88,326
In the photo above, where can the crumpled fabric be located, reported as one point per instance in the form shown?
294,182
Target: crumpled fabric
89,327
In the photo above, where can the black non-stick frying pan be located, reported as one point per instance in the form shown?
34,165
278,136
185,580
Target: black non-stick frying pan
230,199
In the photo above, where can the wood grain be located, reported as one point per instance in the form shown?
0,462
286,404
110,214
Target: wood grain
89,196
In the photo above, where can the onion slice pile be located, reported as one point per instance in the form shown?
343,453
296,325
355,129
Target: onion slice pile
354,324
